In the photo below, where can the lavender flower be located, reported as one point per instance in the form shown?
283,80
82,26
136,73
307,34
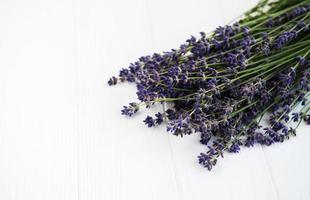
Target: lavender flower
221,85
130,110
149,121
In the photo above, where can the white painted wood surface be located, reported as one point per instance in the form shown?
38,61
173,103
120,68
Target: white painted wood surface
61,133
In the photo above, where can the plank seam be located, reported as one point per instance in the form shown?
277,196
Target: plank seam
77,93
270,173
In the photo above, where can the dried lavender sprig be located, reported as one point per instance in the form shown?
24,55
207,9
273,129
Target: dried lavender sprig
228,83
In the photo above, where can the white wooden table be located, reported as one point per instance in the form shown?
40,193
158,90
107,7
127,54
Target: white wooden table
61,133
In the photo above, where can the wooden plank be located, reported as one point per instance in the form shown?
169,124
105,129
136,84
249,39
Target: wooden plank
38,101
119,157
173,22
289,165
231,10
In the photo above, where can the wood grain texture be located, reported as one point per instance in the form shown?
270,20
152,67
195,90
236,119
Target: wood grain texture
61,132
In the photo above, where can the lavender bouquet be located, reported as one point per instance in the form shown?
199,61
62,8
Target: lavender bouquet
221,84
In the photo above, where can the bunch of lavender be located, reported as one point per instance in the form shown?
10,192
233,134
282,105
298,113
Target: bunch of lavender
222,84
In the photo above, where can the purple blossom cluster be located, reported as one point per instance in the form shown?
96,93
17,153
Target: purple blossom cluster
221,85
